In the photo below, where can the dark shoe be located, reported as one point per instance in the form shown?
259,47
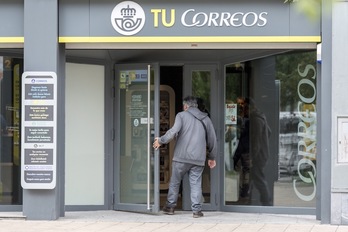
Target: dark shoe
198,214
168,210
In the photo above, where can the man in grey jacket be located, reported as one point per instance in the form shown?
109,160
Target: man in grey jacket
190,153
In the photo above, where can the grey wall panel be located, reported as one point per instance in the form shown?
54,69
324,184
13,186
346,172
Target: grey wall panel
43,53
40,35
339,98
78,18
12,18
301,24
93,18
101,17
74,18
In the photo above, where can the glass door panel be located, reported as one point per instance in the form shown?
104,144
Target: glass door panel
201,88
200,82
235,88
137,175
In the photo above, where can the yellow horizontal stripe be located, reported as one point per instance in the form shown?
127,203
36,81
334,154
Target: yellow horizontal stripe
191,39
11,39
177,39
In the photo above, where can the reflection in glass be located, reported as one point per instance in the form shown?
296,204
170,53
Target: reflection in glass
296,74
10,186
282,90
235,178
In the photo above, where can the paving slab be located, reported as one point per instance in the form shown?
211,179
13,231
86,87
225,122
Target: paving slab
115,221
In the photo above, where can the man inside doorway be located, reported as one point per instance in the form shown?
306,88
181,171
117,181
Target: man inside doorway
194,133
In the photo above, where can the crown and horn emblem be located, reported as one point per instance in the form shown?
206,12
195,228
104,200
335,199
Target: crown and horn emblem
128,18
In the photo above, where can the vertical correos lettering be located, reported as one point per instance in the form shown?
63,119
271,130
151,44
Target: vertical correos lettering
307,131
306,146
305,111
304,149
310,180
309,83
306,71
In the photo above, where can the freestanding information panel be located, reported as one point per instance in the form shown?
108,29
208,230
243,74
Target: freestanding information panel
39,126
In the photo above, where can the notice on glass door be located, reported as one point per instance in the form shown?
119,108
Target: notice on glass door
39,128
231,114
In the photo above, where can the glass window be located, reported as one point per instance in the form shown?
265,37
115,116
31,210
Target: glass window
296,76
11,70
270,131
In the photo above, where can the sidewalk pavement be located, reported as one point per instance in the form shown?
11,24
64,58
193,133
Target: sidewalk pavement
107,221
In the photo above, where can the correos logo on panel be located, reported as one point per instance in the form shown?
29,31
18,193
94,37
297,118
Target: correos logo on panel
128,18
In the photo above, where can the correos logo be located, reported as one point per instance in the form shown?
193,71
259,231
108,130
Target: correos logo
128,18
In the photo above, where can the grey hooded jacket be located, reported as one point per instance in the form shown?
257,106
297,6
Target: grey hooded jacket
190,137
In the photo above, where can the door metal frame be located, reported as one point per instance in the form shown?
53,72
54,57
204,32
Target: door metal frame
152,86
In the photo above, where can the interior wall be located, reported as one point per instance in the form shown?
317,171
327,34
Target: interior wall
84,175
172,76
